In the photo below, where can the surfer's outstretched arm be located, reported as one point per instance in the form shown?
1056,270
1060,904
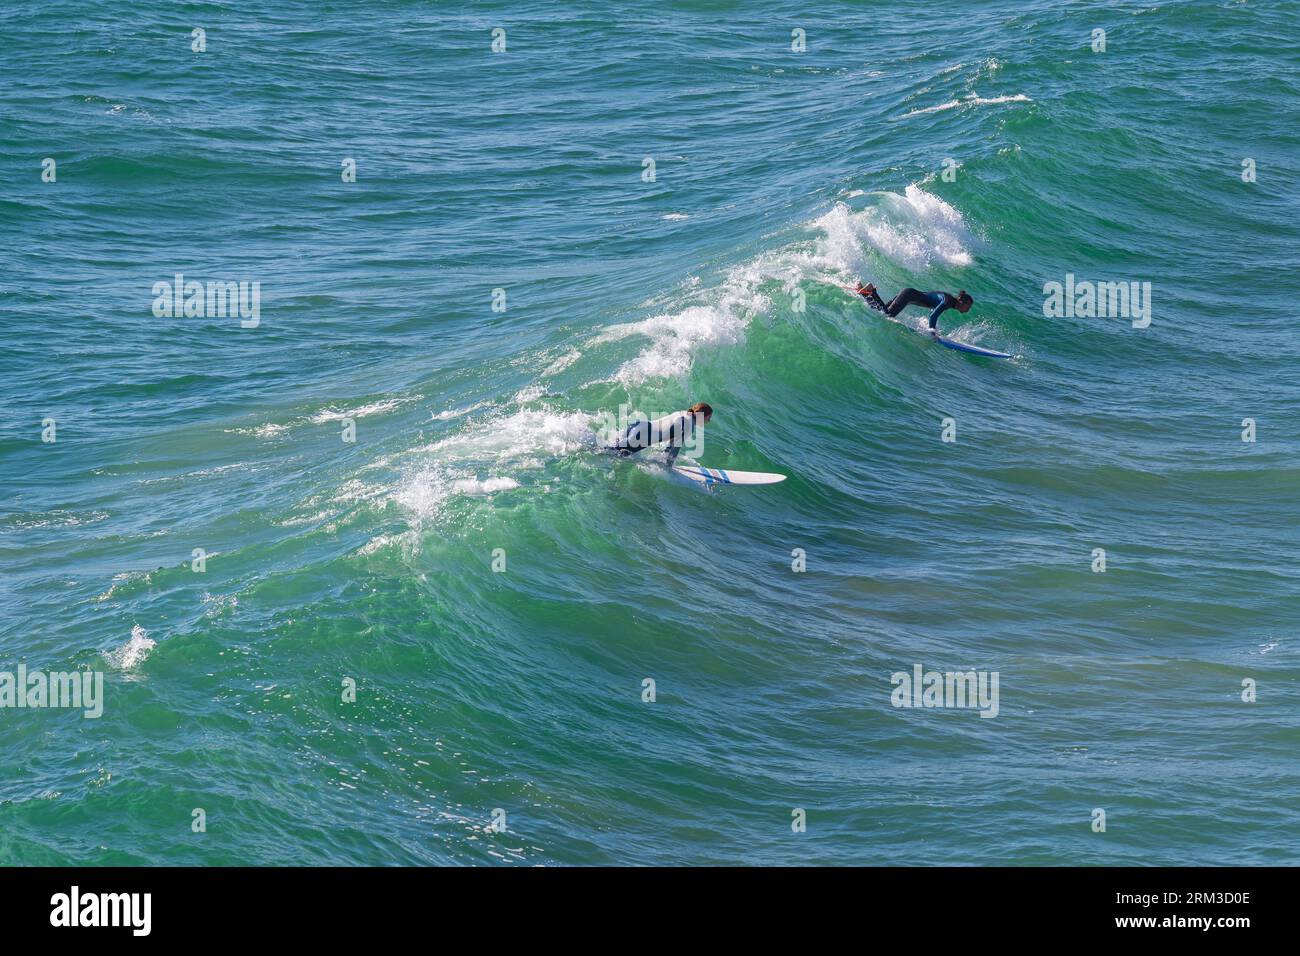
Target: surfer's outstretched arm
962,302
934,316
869,293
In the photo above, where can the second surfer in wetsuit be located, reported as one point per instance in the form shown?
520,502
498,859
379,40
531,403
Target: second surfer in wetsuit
936,302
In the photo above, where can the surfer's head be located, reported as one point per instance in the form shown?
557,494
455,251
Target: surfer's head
964,301
702,411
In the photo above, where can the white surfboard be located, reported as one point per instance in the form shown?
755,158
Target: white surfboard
972,349
720,476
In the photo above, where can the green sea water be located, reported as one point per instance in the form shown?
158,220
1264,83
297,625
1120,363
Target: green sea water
391,477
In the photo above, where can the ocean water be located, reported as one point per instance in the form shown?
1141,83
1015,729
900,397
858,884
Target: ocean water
391,476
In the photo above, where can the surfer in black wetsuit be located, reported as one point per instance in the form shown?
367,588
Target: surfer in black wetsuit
677,429
936,302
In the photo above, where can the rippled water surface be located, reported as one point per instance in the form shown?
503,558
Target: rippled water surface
498,590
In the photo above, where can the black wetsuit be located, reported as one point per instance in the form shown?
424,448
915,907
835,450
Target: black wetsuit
676,429
937,302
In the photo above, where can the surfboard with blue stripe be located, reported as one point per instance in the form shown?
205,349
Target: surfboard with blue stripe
719,476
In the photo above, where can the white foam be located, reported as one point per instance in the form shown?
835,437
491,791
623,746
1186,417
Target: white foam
58,518
969,334
516,436
219,603
121,580
916,230
377,543
354,491
425,491
374,408
561,363
409,542
269,430
204,472
485,486
472,462
676,337
306,519
133,653
971,100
